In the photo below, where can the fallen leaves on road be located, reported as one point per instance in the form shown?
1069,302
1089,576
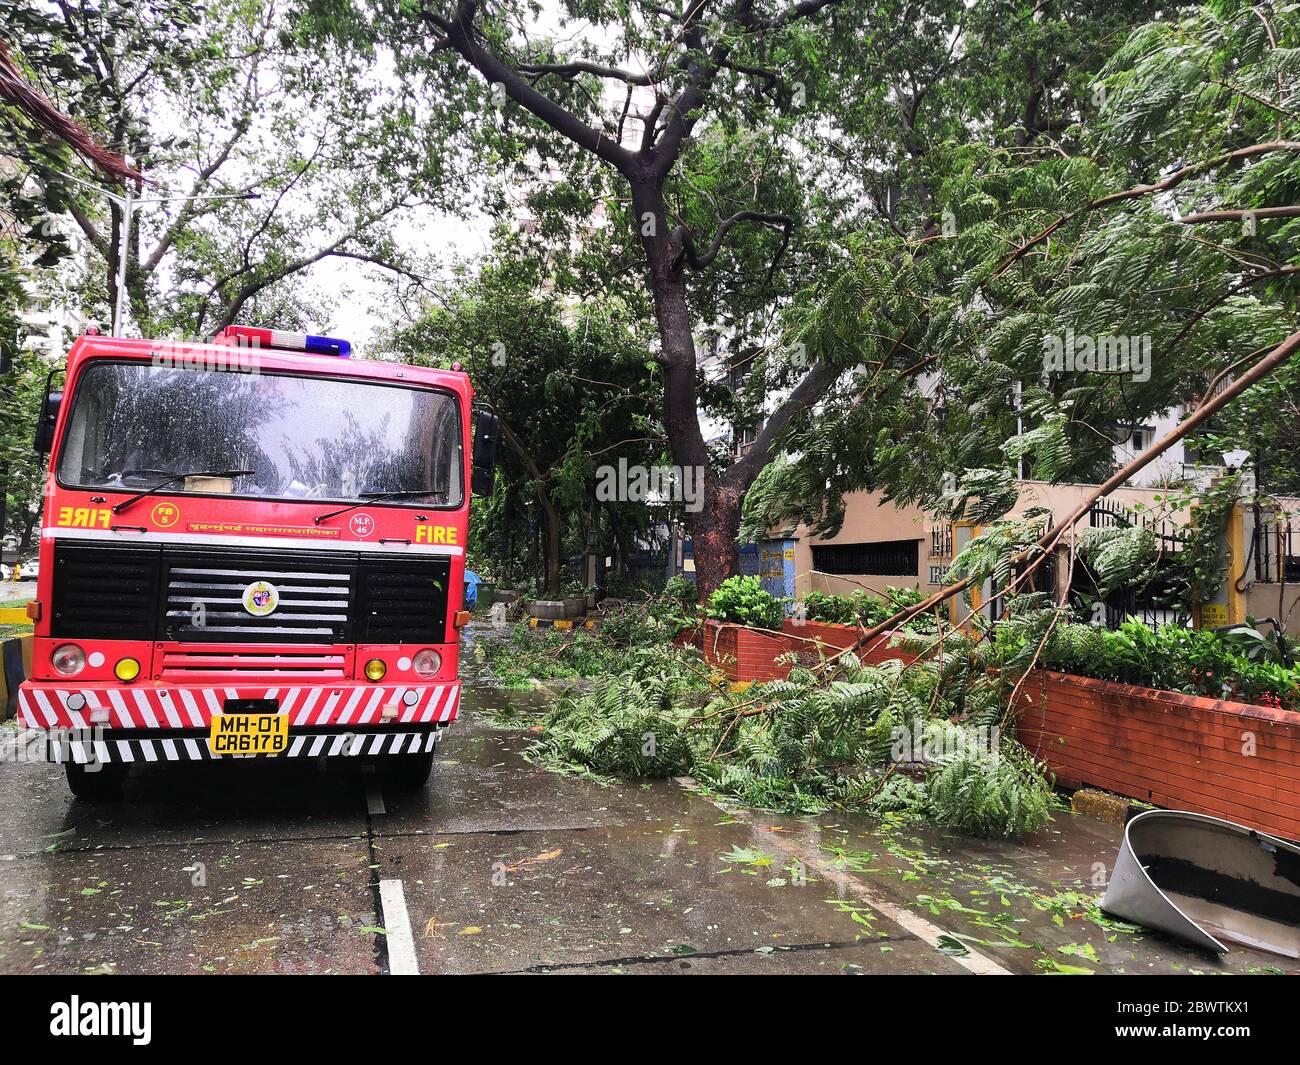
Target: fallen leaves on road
545,856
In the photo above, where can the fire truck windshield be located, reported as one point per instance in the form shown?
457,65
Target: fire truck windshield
135,424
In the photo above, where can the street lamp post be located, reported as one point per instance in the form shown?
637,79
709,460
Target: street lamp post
128,205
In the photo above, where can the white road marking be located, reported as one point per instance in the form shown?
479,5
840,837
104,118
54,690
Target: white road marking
401,944
924,930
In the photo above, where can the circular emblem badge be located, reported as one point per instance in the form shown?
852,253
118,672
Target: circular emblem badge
362,524
165,515
261,598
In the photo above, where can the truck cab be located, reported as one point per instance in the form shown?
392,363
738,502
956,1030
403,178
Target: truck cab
251,547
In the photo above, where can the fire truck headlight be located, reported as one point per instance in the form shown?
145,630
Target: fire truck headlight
68,660
126,669
427,662
375,669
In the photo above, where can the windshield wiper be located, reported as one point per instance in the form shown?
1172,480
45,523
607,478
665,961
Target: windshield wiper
172,480
374,497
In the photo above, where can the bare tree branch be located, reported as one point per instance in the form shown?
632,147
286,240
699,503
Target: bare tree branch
460,34
682,236
1237,216
1165,184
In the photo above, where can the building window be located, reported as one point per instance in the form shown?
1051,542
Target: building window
1137,441
888,558
745,442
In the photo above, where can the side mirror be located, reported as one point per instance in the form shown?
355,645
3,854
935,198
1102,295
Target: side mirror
483,458
45,422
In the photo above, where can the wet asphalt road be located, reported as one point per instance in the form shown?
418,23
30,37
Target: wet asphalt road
502,867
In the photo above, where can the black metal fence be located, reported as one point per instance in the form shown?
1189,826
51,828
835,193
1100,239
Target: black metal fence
1275,549
1151,605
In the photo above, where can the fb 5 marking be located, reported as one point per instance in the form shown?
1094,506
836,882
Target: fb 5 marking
249,733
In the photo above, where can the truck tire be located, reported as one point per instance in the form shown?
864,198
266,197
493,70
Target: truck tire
103,784
407,772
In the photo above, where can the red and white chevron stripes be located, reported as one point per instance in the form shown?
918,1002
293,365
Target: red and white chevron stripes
46,706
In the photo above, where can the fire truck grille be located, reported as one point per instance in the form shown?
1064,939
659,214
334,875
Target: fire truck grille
196,596
104,592
205,599
195,661
393,601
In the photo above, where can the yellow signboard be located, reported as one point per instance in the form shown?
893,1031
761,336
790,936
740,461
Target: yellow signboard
1214,615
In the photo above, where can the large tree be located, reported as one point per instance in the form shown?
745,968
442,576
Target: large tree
211,100
731,141
1165,216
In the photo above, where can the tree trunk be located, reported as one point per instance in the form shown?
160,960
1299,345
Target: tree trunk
552,545
4,500
715,525
28,527
551,518
621,551
714,532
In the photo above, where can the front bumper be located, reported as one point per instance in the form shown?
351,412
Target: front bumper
159,706
99,745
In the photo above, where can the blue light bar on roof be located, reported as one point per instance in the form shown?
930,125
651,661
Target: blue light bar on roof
250,336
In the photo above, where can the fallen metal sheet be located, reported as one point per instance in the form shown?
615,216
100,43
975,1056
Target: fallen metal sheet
1205,881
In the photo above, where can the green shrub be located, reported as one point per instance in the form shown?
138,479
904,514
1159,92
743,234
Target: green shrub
830,609
682,590
1172,658
865,609
745,601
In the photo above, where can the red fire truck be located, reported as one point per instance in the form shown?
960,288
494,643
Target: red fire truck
251,547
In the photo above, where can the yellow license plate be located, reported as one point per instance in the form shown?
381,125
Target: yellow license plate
249,733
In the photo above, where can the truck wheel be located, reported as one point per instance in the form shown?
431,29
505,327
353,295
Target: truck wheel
102,784
407,772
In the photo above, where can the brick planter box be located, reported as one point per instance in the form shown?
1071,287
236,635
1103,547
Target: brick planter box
750,655
1231,760
838,637
742,654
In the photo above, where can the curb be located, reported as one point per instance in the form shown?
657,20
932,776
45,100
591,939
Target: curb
17,651
1102,806
560,623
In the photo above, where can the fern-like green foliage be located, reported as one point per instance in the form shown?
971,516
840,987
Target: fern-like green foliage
992,554
1120,557
1177,94
820,743
995,795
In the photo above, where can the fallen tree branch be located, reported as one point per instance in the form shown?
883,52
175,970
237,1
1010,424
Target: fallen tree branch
1237,216
1049,539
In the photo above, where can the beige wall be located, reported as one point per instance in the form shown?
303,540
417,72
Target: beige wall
867,519
1274,600
1062,499
1262,601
